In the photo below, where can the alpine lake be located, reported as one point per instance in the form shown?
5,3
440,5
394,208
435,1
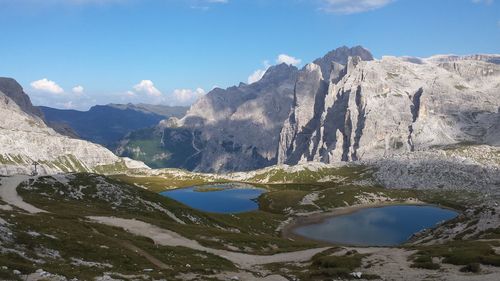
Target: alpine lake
372,226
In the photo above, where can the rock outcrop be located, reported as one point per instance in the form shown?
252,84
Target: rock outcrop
368,109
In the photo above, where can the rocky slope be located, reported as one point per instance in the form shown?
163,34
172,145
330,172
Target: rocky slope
25,138
108,124
371,109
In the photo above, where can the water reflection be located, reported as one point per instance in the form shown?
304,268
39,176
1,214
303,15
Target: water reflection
220,198
385,226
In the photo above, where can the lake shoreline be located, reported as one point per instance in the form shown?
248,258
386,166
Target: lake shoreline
288,231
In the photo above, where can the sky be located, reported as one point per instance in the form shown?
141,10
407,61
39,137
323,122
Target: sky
77,53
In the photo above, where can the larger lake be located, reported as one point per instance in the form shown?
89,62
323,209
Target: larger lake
220,198
383,226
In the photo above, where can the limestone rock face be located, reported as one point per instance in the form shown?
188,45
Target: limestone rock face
25,138
238,128
340,56
374,108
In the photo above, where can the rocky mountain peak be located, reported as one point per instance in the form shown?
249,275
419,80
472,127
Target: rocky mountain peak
341,55
279,72
15,92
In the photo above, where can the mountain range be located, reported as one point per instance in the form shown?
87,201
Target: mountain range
108,124
344,106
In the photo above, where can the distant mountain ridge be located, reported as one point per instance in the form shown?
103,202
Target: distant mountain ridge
108,124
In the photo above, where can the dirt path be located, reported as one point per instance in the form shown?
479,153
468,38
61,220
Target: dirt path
169,238
158,263
126,244
9,195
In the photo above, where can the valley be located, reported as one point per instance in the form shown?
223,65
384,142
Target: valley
287,178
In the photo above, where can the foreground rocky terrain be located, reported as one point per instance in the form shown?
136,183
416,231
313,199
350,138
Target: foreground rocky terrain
93,227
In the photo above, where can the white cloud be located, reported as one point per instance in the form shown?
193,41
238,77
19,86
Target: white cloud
354,6
259,73
487,2
185,96
68,105
78,90
204,5
147,87
256,76
288,60
45,85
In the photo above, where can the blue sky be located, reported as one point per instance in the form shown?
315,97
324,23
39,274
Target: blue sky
77,53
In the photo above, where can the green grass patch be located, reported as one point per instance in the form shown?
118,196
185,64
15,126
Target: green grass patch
460,253
329,265
115,168
281,200
424,261
166,182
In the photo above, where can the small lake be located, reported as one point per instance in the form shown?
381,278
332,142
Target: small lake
219,198
383,226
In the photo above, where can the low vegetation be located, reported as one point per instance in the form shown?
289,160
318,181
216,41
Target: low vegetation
75,248
333,264
463,253
167,181
65,236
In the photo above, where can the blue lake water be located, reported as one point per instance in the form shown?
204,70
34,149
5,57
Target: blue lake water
231,198
384,226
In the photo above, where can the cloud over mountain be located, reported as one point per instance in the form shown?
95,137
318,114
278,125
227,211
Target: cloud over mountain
147,87
45,85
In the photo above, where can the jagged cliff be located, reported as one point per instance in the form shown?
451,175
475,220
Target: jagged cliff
368,109
239,128
25,138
